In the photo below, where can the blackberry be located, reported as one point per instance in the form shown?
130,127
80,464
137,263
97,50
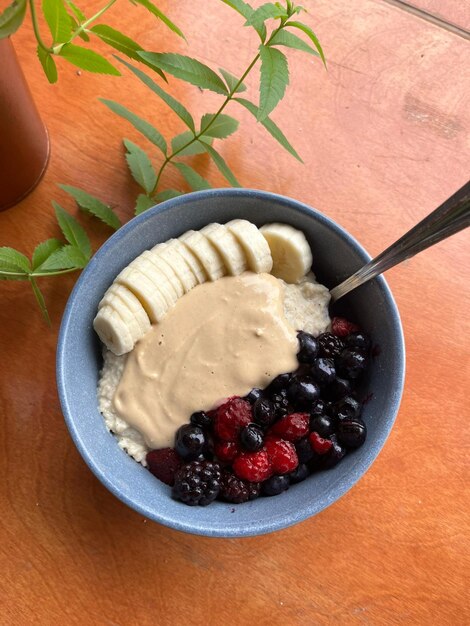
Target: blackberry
254,394
281,403
323,370
275,485
299,474
329,345
201,419
308,347
264,412
190,442
197,483
251,437
303,392
352,432
236,490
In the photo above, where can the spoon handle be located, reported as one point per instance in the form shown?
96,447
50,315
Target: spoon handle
450,217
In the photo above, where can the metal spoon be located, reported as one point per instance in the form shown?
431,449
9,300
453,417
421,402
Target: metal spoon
450,217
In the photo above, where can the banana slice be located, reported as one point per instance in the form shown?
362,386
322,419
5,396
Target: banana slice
113,331
129,319
151,298
292,257
192,261
227,246
157,277
205,252
253,243
120,293
165,268
170,254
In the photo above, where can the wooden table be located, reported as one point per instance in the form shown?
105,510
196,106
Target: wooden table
385,138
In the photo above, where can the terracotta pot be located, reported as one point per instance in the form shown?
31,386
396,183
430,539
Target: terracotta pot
24,141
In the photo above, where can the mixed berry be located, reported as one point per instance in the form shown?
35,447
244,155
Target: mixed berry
259,445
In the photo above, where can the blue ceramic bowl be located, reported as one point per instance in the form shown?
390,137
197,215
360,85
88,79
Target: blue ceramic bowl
336,255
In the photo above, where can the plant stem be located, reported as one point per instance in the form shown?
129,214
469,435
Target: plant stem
83,26
37,34
169,158
23,276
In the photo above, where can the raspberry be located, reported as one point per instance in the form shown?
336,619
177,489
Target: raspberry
292,427
231,417
233,489
282,455
342,327
226,451
252,466
319,444
197,483
164,464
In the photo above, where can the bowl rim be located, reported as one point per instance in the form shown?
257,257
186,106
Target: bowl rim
199,527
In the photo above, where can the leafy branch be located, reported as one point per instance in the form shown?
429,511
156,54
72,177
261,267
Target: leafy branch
273,83
66,22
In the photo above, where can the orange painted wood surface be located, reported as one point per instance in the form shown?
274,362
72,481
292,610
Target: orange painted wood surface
455,12
384,135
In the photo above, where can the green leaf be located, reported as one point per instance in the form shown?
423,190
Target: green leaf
194,180
270,126
232,81
222,166
187,69
246,11
144,127
309,32
13,261
94,206
161,196
67,257
88,60
221,127
143,203
75,25
48,64
176,106
12,18
265,12
73,232
57,19
44,250
40,300
285,38
117,40
78,12
140,166
274,79
166,20
182,139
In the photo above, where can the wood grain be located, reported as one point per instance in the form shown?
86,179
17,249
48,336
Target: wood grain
385,137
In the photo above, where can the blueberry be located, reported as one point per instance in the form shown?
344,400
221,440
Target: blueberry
308,347
352,432
264,412
334,454
251,437
254,394
329,345
319,407
339,388
304,450
279,383
190,442
345,408
303,392
201,419
299,474
275,485
351,363
323,370
323,425
358,341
